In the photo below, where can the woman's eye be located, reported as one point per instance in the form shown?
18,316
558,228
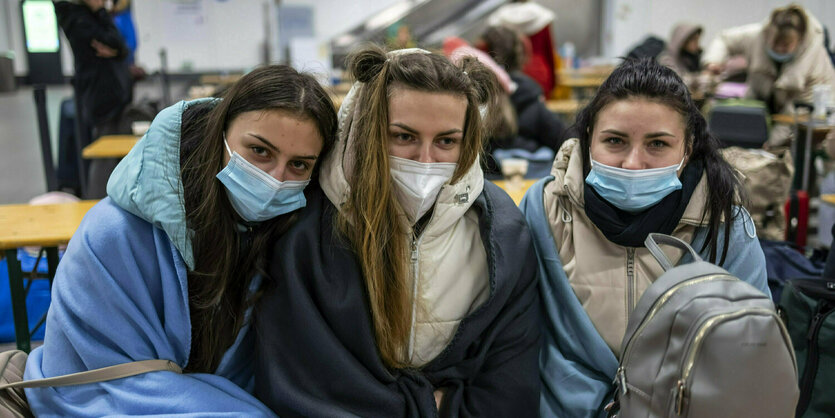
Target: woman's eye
300,165
657,144
613,140
403,137
447,141
260,151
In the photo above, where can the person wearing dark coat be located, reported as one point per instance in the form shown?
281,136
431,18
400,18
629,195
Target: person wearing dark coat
537,126
102,80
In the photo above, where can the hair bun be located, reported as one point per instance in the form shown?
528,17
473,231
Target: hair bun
366,63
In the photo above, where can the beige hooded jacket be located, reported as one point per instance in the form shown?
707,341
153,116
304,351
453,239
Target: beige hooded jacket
608,279
448,261
810,66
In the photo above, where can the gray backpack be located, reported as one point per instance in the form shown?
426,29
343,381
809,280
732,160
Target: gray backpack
702,343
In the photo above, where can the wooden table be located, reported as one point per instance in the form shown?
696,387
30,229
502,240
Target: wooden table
828,198
110,146
37,225
563,107
516,192
224,79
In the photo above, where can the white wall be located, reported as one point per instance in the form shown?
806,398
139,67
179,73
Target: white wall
201,35
627,22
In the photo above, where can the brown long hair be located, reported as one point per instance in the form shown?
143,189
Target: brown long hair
369,218
505,46
226,259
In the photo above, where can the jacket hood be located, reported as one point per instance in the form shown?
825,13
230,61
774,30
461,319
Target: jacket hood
681,32
452,202
528,18
147,181
570,183
66,11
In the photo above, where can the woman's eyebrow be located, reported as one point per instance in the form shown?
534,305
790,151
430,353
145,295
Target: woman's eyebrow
658,134
614,132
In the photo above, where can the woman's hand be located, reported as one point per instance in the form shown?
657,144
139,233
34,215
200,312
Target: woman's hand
102,50
714,68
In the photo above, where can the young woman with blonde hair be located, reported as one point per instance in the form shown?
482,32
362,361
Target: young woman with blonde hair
408,286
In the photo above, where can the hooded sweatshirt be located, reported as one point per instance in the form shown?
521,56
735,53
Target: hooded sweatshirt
473,332
793,80
685,64
121,295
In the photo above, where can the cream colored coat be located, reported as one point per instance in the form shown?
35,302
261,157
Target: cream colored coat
449,275
608,279
811,65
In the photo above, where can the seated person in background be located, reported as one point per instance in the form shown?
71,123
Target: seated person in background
408,286
644,162
166,267
533,22
683,54
501,132
537,126
786,59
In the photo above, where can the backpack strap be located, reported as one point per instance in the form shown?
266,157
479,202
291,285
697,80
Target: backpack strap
652,243
99,375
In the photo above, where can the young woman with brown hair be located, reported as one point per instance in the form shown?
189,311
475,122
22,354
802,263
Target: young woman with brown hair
168,266
407,286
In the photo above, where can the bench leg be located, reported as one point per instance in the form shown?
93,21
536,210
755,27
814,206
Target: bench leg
21,322
51,263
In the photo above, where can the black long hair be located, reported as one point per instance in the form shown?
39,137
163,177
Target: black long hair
647,79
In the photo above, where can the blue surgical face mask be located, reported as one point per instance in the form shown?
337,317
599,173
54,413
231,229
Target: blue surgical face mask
256,195
781,58
633,190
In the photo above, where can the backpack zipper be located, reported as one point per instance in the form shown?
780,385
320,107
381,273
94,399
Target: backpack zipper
659,303
810,369
697,341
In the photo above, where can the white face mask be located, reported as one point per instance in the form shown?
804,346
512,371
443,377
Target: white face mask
417,184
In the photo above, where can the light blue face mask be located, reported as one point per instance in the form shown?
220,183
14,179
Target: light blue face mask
781,58
256,195
633,190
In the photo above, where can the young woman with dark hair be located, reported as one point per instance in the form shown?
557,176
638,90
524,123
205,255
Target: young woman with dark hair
407,288
644,162
169,265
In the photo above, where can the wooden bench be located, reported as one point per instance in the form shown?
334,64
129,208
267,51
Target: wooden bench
35,225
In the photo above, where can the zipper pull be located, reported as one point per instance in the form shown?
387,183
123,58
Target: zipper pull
814,325
621,380
680,397
414,250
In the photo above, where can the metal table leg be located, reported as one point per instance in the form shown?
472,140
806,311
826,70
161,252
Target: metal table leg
51,263
21,321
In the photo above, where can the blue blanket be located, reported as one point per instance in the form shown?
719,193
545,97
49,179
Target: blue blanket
120,295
